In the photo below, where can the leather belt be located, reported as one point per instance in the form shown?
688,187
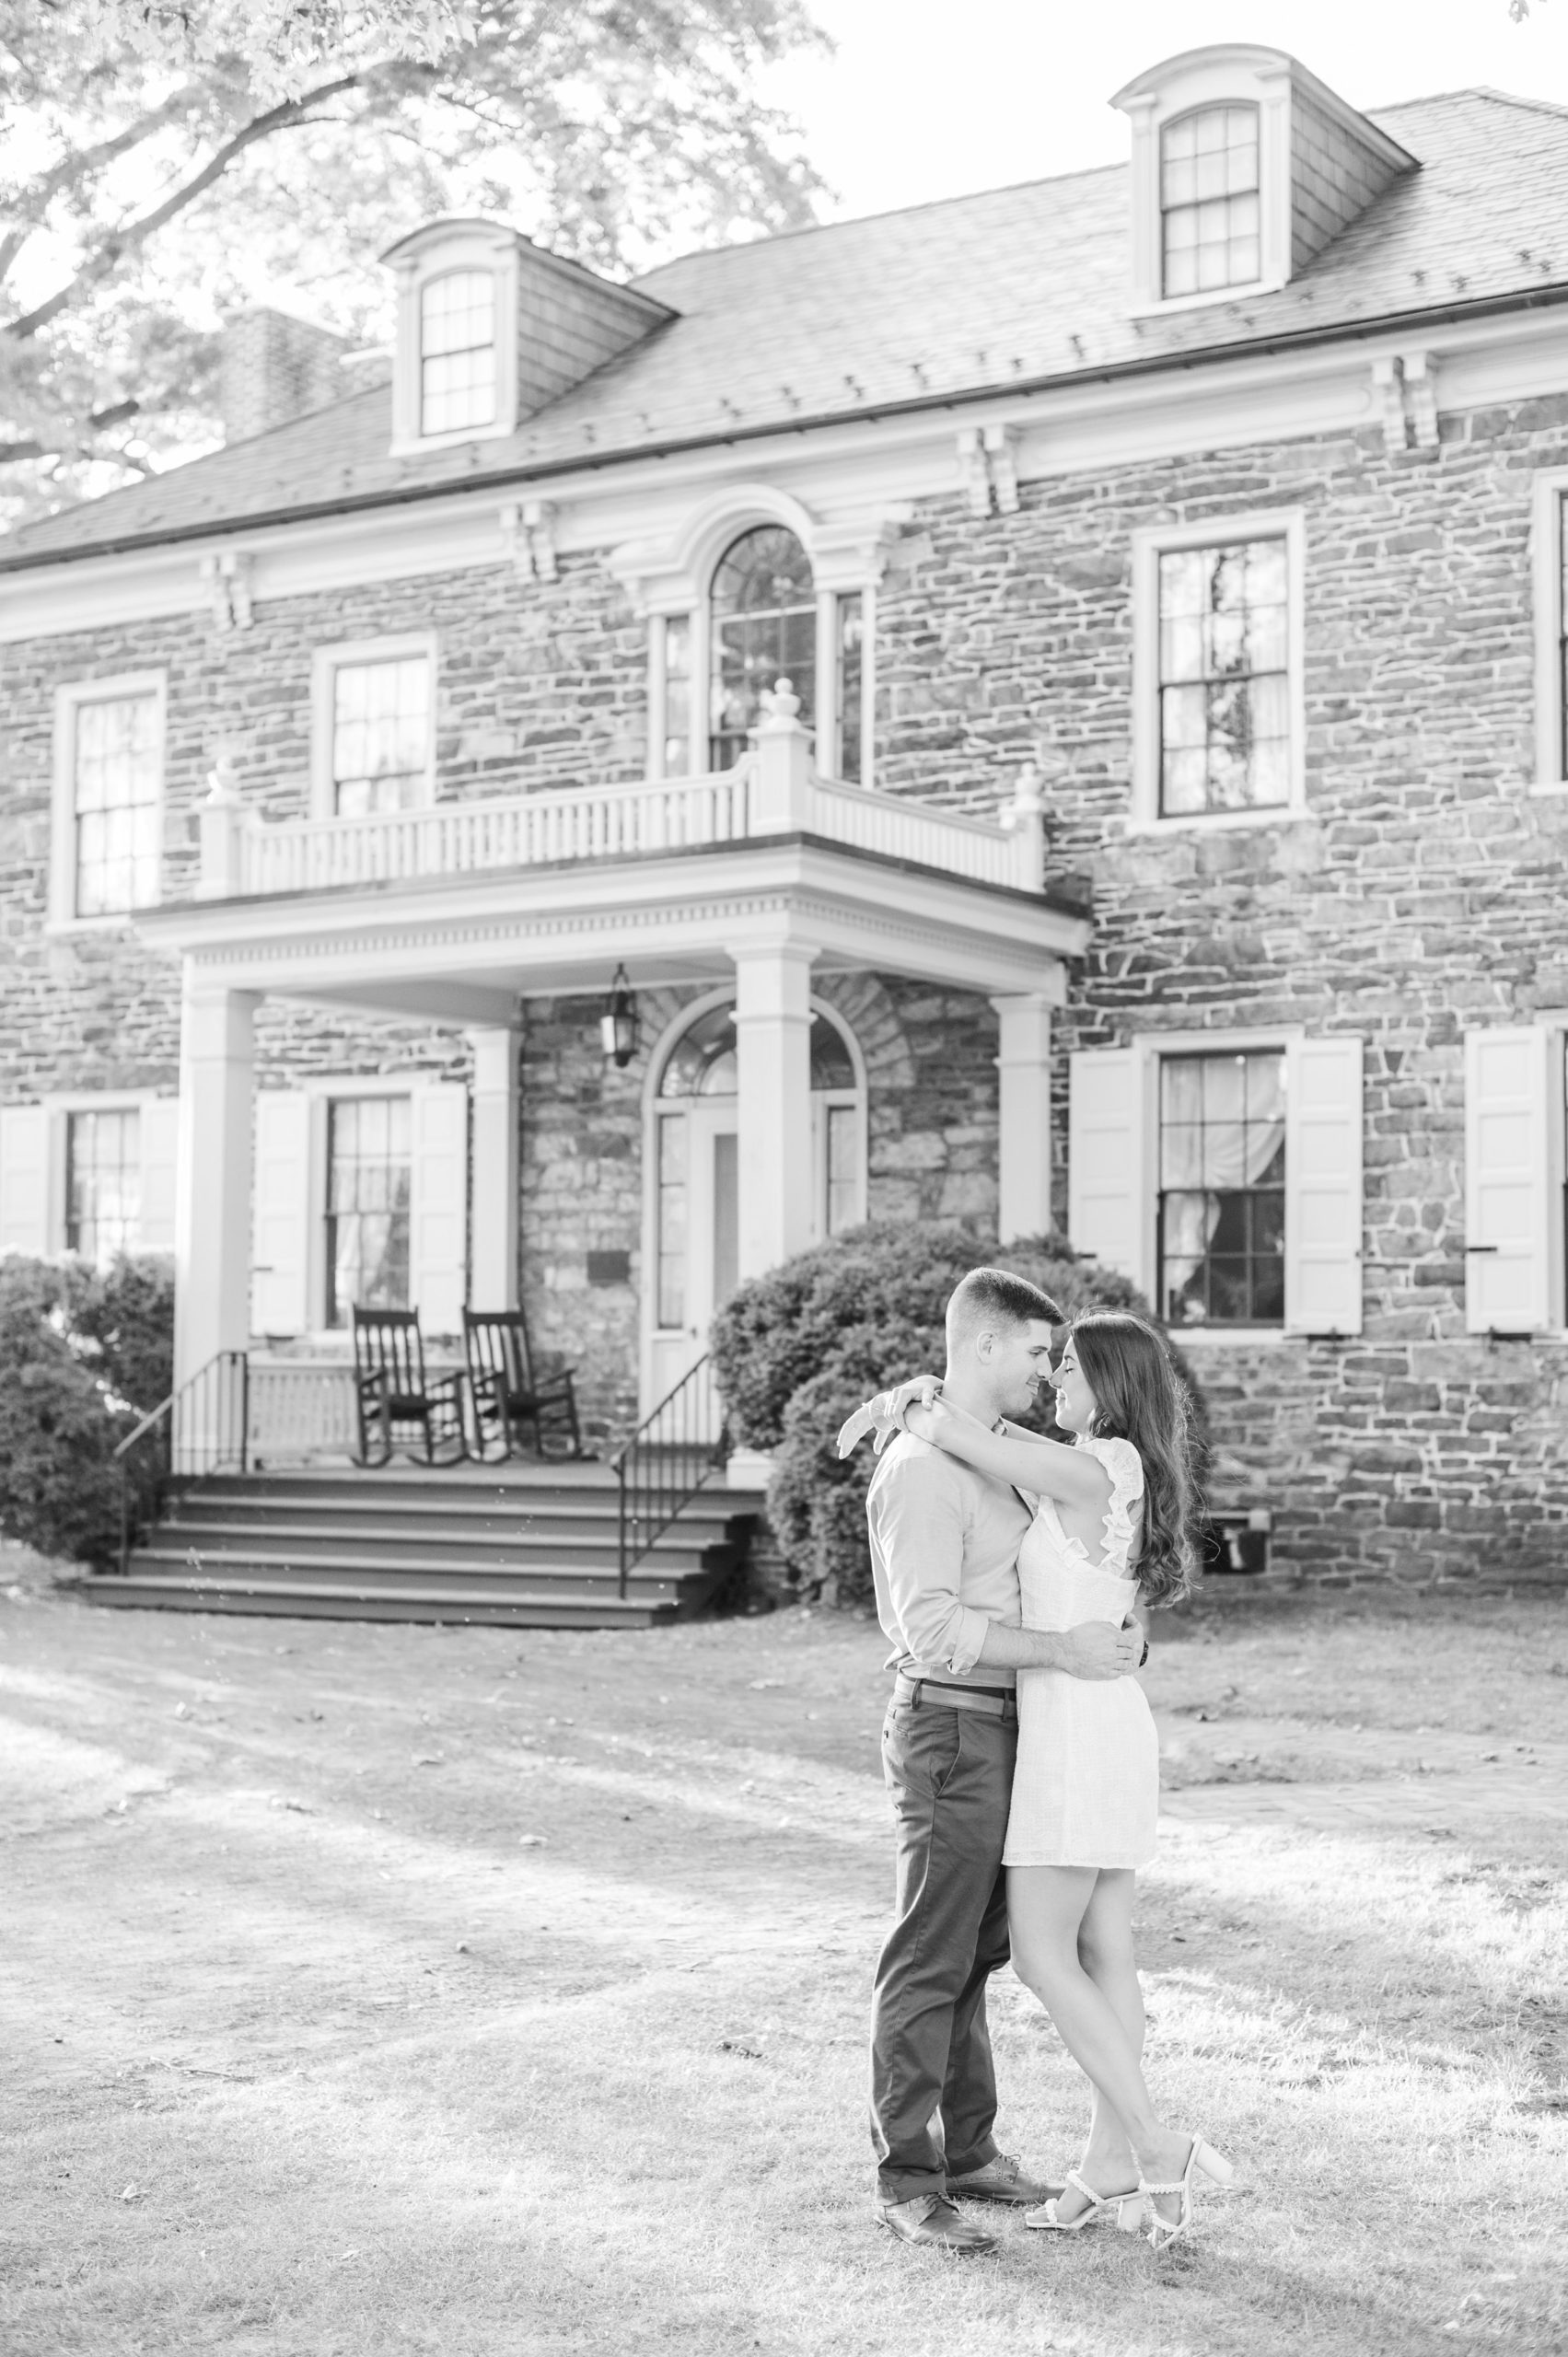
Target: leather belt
995,1704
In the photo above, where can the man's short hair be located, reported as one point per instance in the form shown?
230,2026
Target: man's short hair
994,1297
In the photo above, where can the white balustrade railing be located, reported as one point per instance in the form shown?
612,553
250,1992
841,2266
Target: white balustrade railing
773,791
463,838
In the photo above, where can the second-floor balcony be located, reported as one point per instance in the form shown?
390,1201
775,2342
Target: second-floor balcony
773,791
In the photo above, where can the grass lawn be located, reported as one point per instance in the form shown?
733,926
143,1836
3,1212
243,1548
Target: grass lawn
378,1990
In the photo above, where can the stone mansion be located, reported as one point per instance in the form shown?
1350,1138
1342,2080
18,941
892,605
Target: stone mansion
1160,837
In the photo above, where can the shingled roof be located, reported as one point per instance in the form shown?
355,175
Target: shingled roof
946,302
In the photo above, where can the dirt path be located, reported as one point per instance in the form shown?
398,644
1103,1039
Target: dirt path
450,1949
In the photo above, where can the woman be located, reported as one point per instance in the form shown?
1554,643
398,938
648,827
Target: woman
1112,1527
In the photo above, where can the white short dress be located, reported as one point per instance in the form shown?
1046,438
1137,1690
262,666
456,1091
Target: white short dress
1086,1791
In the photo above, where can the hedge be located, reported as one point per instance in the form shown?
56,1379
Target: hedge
797,1351
85,1353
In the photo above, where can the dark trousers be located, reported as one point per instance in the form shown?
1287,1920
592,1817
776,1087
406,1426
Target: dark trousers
950,1775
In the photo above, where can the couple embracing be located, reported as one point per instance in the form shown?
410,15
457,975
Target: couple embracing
1020,1753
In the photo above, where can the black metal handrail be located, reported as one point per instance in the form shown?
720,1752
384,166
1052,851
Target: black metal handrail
202,1427
660,1469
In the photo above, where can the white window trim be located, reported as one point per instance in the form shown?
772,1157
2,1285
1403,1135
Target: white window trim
325,665
1152,1048
1221,77
325,1089
1551,488
1150,542
68,702
58,1107
492,250
676,580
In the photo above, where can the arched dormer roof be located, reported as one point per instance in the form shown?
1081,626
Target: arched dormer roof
1303,166
546,322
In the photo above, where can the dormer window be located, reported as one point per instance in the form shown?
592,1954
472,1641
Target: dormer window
456,351
1244,167
1210,216
491,329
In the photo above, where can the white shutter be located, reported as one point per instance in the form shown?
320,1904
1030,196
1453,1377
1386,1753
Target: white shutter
1510,1166
439,1207
1107,1181
1323,1186
281,1211
157,1129
24,1179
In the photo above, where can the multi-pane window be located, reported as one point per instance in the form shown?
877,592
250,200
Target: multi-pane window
1222,1176
764,629
380,734
457,351
1209,226
850,616
367,1205
671,1219
844,1167
1224,677
115,814
677,695
103,1183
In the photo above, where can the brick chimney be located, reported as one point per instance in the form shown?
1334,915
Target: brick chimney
275,367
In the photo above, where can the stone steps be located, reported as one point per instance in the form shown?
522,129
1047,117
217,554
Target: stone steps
519,1546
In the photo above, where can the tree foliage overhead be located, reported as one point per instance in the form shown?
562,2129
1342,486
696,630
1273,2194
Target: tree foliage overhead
161,162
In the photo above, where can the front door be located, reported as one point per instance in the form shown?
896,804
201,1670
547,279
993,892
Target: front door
696,1234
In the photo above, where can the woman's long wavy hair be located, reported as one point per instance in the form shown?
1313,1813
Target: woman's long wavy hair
1140,1396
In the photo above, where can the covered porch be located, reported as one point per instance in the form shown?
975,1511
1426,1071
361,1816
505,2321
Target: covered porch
747,887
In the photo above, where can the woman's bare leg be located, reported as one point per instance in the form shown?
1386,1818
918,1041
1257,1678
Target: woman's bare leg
1047,1911
1105,1951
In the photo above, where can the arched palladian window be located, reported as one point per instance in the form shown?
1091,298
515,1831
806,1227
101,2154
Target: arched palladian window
763,606
456,351
1209,211
693,1176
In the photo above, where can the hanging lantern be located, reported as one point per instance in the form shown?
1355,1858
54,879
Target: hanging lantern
618,1025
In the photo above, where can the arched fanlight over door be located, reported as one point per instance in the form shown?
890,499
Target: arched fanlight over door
763,609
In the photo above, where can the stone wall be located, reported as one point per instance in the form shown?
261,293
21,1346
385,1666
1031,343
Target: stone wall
1423,894
931,1110
537,684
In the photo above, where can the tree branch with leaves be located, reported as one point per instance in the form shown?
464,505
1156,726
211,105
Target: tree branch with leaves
157,160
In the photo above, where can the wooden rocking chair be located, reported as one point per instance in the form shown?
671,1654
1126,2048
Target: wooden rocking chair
393,1390
508,1395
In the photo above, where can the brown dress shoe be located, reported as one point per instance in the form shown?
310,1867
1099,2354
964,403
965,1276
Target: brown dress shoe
1001,2179
928,2218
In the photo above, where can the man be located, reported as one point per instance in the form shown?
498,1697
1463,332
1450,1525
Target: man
944,1544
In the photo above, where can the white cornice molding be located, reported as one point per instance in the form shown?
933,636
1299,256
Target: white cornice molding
856,481
553,929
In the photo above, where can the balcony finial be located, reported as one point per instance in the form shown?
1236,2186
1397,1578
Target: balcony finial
779,704
223,785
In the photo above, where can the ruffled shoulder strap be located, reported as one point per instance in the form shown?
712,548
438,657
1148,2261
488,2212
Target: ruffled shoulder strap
1125,1467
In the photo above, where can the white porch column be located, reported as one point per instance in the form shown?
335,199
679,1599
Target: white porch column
212,1192
1024,1154
772,1025
494,1233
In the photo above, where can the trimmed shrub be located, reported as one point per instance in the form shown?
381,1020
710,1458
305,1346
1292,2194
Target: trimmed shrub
84,1354
797,1351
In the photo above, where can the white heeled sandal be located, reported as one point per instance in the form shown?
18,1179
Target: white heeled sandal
1125,2209
1213,2166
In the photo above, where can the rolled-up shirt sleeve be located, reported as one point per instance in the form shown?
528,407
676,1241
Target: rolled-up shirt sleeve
917,1518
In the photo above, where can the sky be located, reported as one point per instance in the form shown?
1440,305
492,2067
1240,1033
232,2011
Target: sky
928,98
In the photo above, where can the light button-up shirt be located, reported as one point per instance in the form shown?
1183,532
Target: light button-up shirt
944,1544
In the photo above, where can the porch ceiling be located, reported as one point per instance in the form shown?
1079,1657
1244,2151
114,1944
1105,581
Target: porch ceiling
463,948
